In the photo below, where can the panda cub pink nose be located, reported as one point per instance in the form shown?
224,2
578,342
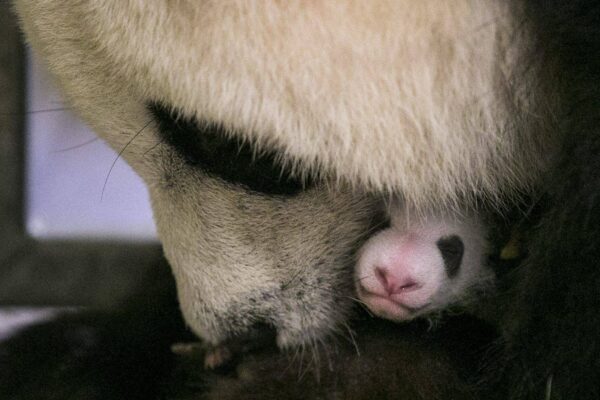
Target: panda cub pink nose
393,284
403,273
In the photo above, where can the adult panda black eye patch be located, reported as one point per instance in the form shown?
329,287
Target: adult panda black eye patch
220,153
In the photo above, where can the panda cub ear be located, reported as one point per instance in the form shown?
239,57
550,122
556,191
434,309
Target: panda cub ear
420,266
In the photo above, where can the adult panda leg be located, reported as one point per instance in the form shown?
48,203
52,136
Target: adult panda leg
555,337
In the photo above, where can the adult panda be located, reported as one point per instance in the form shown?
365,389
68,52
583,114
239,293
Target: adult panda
270,134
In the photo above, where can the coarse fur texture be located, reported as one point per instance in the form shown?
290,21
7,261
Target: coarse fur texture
357,90
443,105
429,102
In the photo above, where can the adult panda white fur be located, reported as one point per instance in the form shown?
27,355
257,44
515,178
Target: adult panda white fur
381,96
442,104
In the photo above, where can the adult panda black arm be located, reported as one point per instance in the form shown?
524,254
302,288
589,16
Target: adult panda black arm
554,325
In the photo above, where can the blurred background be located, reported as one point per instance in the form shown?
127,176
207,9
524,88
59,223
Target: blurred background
75,185
75,224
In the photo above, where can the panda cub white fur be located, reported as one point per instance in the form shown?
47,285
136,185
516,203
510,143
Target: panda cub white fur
419,266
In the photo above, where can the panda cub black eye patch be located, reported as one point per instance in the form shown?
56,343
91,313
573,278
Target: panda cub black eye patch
452,249
208,146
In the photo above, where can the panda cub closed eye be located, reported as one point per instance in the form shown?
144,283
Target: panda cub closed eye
420,266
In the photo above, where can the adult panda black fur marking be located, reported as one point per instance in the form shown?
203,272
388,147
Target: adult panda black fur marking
224,155
552,323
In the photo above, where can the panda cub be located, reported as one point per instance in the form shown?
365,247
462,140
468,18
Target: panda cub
422,265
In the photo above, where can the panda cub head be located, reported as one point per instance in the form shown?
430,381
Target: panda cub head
419,266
